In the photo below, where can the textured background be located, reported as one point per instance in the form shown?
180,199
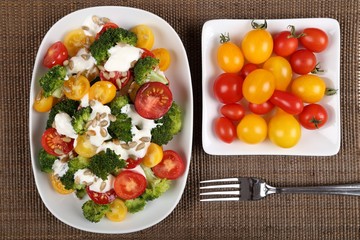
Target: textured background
24,216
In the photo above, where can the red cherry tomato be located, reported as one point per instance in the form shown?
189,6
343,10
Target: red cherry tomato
228,88
105,27
119,79
56,144
233,111
172,166
55,55
287,101
261,109
129,184
285,43
153,100
314,39
303,61
132,163
247,68
225,129
101,198
313,116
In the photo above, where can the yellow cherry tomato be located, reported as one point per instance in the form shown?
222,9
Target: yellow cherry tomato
76,87
42,103
310,88
75,40
257,45
164,57
153,156
258,86
58,186
118,211
229,56
145,36
282,71
284,130
102,91
252,129
84,147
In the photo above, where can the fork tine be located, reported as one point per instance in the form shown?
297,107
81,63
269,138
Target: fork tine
221,186
219,199
221,193
220,180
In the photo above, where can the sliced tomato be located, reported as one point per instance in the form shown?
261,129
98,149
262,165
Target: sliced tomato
55,55
102,91
105,27
119,79
76,87
153,100
101,198
132,163
129,184
172,166
56,144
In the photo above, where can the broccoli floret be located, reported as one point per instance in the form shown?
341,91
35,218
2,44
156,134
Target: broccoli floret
99,48
168,126
53,81
135,205
155,188
106,162
118,102
121,128
80,119
74,164
94,212
80,193
46,161
68,106
145,70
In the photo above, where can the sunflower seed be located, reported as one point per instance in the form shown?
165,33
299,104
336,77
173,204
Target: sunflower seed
66,89
92,103
125,146
85,56
101,68
106,75
112,118
118,83
124,74
94,123
116,141
87,172
71,64
123,79
66,139
132,144
88,124
58,151
86,28
112,74
104,123
97,117
103,132
103,115
65,159
102,186
91,133
140,146
145,139
105,19
77,180
66,62
95,19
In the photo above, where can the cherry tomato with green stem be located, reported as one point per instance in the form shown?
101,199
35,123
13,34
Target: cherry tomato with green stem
314,116
286,42
229,56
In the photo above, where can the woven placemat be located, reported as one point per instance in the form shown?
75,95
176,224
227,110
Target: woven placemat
24,216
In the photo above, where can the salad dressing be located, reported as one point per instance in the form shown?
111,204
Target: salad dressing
122,57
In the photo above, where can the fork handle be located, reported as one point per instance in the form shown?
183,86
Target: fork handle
347,189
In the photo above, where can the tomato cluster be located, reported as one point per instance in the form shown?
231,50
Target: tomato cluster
269,87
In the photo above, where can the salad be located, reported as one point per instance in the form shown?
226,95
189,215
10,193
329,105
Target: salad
110,112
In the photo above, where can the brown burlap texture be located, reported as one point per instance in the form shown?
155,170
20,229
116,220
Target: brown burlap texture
24,216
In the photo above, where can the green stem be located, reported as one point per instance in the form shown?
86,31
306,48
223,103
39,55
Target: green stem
256,25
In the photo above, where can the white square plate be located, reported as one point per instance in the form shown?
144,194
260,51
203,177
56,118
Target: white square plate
322,142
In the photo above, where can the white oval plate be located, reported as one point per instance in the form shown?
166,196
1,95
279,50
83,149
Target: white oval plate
67,208
322,142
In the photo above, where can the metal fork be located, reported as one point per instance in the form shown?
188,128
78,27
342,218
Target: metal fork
247,189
